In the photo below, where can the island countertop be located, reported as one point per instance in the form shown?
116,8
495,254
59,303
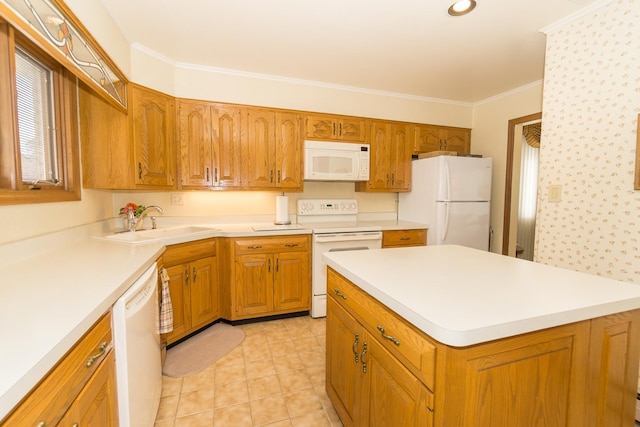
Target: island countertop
461,296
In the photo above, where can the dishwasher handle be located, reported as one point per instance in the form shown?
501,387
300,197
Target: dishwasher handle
347,237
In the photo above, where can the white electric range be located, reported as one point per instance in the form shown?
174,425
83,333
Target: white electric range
335,227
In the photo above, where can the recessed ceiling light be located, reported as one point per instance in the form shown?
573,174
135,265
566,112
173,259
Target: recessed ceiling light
462,7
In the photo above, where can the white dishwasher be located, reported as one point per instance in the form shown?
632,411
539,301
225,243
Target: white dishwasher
137,350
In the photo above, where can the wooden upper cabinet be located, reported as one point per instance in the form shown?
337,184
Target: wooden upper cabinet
390,164
194,137
106,150
226,137
345,128
289,157
153,137
259,147
272,149
427,138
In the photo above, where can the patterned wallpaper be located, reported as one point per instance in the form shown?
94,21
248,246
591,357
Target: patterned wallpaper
590,108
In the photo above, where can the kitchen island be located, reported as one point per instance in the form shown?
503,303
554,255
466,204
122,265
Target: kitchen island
452,336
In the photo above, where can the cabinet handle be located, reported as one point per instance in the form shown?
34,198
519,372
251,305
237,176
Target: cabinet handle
356,355
278,177
271,176
269,265
194,274
277,265
215,175
340,129
388,337
364,352
405,238
75,425
387,179
41,424
98,355
254,247
139,170
207,174
340,294
186,276
334,128
393,179
430,409
291,245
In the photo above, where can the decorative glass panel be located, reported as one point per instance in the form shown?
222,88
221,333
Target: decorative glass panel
45,18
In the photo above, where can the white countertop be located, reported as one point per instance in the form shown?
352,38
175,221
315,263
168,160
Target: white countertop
461,296
55,287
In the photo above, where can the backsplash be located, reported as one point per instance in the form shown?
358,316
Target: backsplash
590,108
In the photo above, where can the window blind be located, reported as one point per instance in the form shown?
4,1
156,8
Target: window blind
35,118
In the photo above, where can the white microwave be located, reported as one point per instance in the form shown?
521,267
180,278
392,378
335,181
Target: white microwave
336,161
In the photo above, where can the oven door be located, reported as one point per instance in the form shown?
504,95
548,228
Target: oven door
355,241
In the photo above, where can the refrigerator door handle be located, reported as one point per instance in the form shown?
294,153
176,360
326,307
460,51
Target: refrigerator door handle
447,181
445,228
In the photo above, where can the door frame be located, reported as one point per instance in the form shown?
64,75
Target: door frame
508,183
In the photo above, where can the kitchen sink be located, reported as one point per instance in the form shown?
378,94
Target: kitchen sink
161,234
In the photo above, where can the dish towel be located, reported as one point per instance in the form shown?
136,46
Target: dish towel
166,308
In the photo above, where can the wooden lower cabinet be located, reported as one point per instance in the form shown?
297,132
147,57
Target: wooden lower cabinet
368,386
580,374
79,389
403,238
194,286
96,404
268,276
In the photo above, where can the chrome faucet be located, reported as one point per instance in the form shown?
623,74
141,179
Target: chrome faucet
133,223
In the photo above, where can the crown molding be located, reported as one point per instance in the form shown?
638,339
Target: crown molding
552,28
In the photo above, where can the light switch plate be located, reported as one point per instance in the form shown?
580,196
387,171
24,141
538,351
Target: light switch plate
555,193
177,199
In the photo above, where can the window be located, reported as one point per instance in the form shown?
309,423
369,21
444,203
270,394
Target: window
35,125
38,113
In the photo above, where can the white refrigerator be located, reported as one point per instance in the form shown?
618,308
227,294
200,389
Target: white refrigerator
452,195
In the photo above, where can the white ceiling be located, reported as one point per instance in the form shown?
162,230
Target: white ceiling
410,47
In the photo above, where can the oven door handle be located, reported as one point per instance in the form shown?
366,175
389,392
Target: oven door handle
347,237
352,248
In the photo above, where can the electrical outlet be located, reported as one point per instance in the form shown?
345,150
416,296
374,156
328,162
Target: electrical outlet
555,193
177,199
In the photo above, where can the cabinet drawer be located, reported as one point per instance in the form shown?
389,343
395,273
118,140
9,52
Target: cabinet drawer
404,341
185,252
49,400
252,245
404,238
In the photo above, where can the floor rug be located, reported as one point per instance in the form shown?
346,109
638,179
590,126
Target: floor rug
201,350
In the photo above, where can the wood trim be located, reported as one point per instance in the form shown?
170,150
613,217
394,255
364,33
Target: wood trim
508,184
636,184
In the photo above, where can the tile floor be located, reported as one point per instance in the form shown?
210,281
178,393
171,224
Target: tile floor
275,378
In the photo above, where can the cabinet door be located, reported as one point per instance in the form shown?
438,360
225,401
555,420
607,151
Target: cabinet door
96,405
458,140
400,163
320,126
391,394
204,291
352,128
259,146
225,134
254,284
379,174
343,365
288,160
153,135
180,300
292,281
194,134
426,138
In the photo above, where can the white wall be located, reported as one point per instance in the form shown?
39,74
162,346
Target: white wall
590,112
489,138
